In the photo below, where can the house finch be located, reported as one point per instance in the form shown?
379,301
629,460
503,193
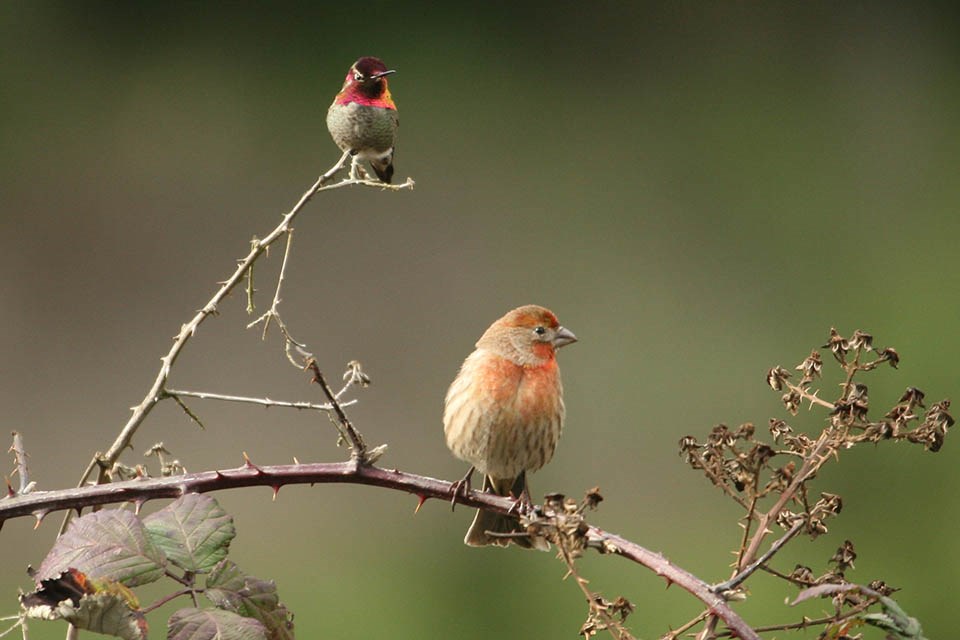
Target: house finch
504,412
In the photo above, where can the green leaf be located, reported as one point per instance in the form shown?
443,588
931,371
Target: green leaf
231,589
110,544
895,620
213,624
194,531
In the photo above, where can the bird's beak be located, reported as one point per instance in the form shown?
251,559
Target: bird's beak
382,73
563,337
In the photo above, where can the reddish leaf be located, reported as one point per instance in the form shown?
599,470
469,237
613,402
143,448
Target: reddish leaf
213,624
231,589
109,544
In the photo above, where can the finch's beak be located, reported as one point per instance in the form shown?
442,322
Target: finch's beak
563,337
382,73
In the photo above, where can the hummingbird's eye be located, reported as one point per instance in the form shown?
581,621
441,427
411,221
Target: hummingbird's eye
357,76
539,331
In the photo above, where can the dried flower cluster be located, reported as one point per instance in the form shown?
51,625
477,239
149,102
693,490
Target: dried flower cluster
770,477
561,521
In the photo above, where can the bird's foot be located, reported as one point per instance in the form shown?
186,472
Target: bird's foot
354,166
524,505
461,487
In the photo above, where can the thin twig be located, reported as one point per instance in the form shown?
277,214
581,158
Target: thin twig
358,449
812,398
266,402
851,369
676,633
751,514
273,313
791,579
810,465
738,579
811,622
594,603
20,459
167,598
105,461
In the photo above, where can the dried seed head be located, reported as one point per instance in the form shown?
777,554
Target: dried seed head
776,377
811,368
844,556
838,345
779,428
913,397
803,575
861,340
791,400
890,355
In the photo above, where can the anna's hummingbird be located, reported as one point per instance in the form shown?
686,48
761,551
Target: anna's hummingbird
363,118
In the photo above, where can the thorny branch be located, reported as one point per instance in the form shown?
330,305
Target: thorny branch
105,461
265,402
738,579
358,448
273,313
746,469
143,489
20,460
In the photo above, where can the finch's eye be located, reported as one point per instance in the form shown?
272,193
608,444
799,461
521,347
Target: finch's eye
539,331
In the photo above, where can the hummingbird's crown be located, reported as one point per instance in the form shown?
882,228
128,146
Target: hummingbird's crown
366,84
369,67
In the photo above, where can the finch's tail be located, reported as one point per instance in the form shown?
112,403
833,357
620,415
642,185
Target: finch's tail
486,523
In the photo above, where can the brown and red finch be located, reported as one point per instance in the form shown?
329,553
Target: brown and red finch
504,412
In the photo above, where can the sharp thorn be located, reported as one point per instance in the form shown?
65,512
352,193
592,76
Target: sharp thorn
420,501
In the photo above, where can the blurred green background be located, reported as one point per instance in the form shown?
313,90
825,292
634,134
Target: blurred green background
698,190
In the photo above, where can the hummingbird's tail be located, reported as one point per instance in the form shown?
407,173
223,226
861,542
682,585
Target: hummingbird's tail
383,167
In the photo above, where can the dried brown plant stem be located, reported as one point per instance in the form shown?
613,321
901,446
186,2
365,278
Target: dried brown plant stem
273,313
811,463
139,491
105,461
679,631
358,448
264,402
20,456
594,601
747,571
811,622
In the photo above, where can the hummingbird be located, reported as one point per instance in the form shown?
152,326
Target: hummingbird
363,118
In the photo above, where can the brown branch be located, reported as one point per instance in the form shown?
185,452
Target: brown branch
358,449
187,331
264,402
612,543
673,634
105,461
811,465
812,622
141,490
738,579
20,459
